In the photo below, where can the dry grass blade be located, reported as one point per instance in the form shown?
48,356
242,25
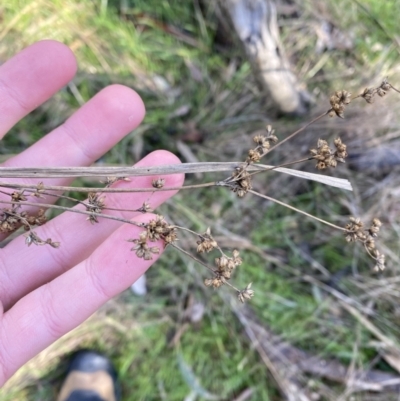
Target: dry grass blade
391,348
186,168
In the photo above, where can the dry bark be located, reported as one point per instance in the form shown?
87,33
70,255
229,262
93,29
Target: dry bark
255,23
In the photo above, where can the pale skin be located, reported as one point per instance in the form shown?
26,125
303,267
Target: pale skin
46,292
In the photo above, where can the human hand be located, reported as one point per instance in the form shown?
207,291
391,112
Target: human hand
46,292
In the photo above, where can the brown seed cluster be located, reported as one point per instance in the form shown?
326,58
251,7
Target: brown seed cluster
95,204
158,183
112,180
355,231
381,90
225,266
263,145
142,249
18,196
206,243
339,100
145,208
11,219
242,181
246,294
156,229
326,156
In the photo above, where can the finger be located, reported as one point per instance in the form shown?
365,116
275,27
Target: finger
29,268
31,77
89,133
52,310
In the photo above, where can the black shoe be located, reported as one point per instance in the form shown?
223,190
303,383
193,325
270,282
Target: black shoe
90,377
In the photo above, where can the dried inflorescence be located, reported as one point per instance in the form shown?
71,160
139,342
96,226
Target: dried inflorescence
30,220
242,181
145,208
381,90
263,145
225,266
11,219
246,294
112,180
39,190
158,228
142,249
18,196
158,183
339,100
326,156
95,204
355,231
206,243
33,238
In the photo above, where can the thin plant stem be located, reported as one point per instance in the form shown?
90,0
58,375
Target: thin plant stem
298,131
193,257
74,210
33,188
297,210
280,165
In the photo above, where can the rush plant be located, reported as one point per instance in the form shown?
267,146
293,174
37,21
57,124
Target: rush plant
240,175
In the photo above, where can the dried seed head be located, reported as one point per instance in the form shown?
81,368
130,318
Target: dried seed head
158,228
326,157
95,204
146,208
111,180
215,282
368,95
376,222
355,232
158,183
262,142
381,92
33,238
338,101
385,85
18,196
141,247
380,262
246,294
254,156
39,190
236,257
206,243
242,181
